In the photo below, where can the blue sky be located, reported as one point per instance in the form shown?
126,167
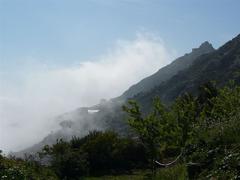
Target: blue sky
66,31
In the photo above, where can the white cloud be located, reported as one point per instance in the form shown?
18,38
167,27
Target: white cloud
26,111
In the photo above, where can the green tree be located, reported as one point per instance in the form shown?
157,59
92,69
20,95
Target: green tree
185,111
156,130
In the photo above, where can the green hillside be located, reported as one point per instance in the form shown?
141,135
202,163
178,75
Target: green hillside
219,66
188,127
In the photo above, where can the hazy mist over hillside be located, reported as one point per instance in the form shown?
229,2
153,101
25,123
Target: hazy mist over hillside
56,56
119,89
28,110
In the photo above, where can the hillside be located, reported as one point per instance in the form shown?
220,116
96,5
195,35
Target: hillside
168,71
110,115
220,65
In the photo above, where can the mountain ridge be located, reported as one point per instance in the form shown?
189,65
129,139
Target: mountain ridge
168,71
220,65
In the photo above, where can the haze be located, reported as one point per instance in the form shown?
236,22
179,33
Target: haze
56,56
28,111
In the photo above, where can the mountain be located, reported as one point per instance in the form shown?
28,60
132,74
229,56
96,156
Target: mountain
185,74
79,122
168,71
110,115
220,66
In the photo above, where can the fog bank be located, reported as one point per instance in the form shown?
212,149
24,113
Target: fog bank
27,109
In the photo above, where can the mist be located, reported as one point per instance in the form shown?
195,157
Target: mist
27,109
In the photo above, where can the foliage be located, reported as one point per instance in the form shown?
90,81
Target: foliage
12,168
97,153
185,111
204,128
218,136
157,130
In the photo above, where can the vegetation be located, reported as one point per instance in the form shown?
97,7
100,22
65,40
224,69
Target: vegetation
97,154
197,137
206,128
157,131
18,169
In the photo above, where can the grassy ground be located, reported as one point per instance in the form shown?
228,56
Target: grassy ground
177,172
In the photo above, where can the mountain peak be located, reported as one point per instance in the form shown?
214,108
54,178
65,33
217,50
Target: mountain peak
205,46
168,71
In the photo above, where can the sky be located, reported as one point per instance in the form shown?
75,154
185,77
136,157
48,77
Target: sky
57,55
84,29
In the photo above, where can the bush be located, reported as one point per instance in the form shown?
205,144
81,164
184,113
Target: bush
98,153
